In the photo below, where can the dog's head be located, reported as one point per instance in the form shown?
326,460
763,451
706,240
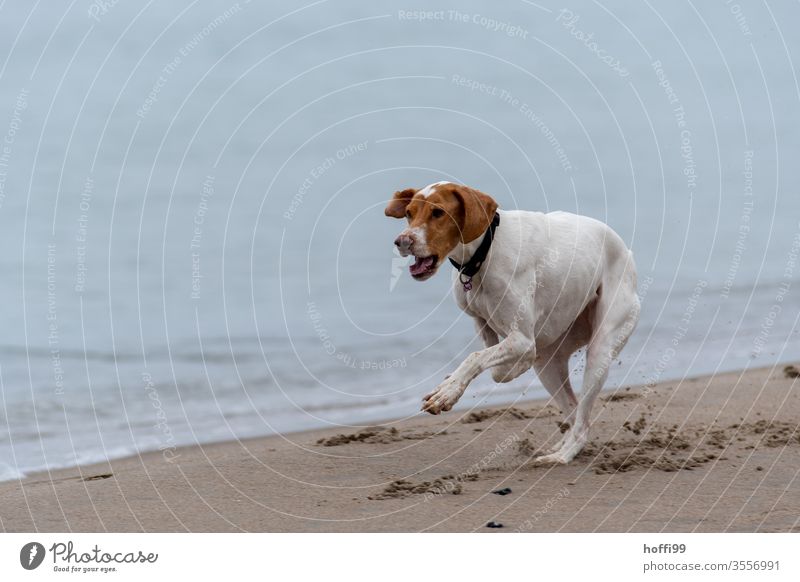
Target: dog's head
440,217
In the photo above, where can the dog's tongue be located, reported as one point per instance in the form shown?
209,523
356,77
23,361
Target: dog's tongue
421,265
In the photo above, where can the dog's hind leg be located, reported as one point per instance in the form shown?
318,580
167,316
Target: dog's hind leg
552,369
552,366
615,318
553,372
487,334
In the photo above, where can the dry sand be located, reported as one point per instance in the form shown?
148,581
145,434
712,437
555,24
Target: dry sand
709,454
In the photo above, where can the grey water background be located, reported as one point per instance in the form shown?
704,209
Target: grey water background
191,196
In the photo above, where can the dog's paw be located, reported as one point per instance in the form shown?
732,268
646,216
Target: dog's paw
443,398
554,449
571,444
552,459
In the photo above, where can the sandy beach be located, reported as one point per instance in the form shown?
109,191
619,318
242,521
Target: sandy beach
710,454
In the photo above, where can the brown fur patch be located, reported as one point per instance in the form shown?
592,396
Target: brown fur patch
449,215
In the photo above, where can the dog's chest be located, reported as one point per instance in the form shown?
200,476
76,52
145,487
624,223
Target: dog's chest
484,302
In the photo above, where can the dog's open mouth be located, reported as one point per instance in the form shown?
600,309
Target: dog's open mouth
423,267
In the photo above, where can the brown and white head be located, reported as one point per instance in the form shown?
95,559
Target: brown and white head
440,217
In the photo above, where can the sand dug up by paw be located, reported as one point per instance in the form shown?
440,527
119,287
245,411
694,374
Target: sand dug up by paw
512,413
449,484
668,449
376,434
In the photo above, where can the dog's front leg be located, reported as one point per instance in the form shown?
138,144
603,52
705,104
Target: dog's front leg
514,348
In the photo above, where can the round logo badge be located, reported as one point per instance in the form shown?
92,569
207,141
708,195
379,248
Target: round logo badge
31,555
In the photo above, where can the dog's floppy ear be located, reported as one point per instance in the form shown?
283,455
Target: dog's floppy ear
478,211
397,206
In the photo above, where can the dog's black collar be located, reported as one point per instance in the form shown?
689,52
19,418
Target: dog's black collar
469,269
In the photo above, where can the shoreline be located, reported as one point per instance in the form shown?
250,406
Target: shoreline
726,446
490,401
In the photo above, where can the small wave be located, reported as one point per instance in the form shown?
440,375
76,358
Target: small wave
9,473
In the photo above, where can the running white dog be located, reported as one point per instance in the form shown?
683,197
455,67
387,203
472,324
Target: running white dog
539,286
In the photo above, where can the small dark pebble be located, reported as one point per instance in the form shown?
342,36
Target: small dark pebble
791,372
759,468
504,491
494,524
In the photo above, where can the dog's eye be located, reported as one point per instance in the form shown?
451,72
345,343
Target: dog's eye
408,214
437,213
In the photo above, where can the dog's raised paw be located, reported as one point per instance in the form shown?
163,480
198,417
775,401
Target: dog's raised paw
436,404
443,398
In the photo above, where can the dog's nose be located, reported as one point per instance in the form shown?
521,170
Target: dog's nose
404,242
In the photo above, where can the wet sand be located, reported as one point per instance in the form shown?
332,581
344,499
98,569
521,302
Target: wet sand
708,454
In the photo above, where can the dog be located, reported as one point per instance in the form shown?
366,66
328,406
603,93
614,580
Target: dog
538,287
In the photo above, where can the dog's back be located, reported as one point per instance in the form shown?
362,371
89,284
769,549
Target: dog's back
562,258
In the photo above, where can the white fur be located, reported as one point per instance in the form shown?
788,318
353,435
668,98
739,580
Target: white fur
420,245
551,284
428,190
